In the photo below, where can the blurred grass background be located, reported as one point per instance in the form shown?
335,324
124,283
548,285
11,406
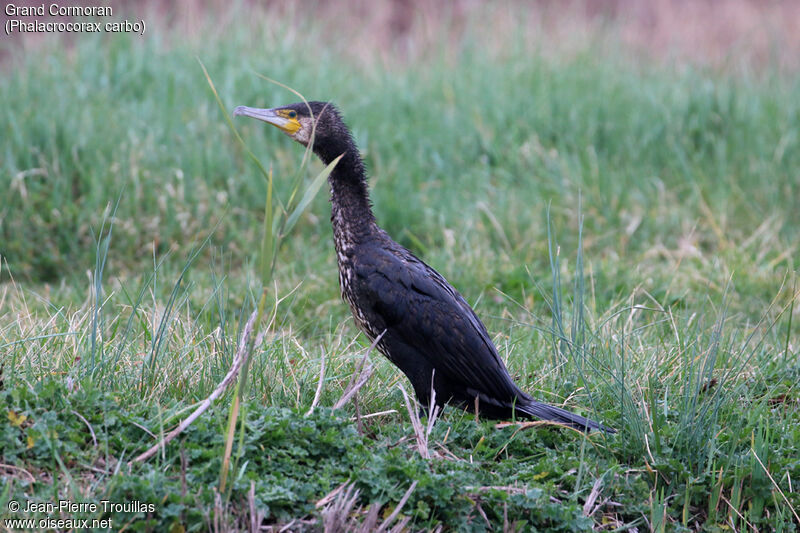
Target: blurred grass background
662,138
656,146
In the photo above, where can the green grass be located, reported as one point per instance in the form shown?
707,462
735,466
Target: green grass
627,233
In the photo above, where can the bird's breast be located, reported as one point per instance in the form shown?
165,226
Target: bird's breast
349,295
349,291
344,260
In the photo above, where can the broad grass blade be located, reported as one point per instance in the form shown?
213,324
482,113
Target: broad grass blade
309,195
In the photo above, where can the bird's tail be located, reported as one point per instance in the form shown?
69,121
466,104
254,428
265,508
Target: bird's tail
544,411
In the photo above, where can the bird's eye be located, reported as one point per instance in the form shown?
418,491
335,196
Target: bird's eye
292,114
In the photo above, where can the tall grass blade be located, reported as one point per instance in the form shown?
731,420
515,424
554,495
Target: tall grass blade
275,229
310,193
268,239
557,330
101,256
151,364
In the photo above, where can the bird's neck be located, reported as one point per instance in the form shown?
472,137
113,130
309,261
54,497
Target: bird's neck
351,212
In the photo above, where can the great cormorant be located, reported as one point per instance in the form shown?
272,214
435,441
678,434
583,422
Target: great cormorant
431,333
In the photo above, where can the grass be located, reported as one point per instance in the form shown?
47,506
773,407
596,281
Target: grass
627,233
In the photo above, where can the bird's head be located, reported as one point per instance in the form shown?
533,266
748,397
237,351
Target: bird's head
302,121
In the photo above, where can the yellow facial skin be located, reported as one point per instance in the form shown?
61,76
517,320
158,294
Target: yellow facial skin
292,125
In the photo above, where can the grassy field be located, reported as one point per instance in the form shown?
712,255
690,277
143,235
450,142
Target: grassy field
627,231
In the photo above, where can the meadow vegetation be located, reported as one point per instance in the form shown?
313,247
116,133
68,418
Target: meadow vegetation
626,229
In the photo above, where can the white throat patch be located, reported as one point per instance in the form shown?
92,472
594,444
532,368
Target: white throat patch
303,135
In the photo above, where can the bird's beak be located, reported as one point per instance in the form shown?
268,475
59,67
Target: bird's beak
276,117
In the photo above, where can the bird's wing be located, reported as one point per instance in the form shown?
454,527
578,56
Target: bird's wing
420,307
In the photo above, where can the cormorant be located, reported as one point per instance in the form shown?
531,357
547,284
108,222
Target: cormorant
431,333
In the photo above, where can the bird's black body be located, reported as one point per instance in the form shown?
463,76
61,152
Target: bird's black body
429,330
